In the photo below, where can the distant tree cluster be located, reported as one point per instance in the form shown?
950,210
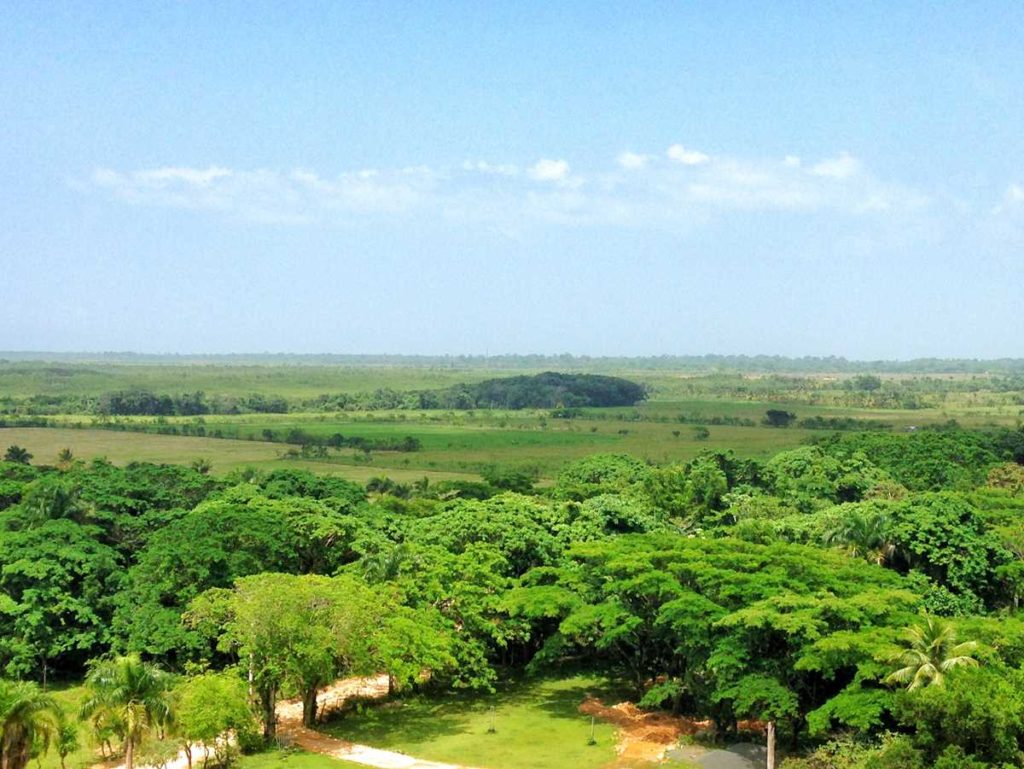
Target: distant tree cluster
547,390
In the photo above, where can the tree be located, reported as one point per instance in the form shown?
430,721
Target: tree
763,698
931,651
864,536
58,579
201,465
65,738
301,630
27,721
210,708
65,458
131,692
979,711
779,418
17,454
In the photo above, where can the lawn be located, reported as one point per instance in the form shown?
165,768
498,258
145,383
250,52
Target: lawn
537,725
291,759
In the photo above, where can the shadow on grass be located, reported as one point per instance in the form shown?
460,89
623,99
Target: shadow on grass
423,718
403,721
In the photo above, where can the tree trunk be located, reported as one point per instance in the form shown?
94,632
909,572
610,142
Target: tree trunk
188,754
268,704
309,707
770,761
129,753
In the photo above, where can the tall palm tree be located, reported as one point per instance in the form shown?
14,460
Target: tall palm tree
931,651
28,719
864,536
131,692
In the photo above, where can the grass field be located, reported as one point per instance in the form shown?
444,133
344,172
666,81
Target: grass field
291,759
463,443
537,725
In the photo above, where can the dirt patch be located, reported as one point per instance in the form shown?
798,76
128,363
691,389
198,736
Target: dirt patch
646,736
334,697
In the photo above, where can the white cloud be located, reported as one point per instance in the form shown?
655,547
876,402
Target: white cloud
483,167
632,161
546,170
842,167
1013,199
680,154
693,189
195,176
792,161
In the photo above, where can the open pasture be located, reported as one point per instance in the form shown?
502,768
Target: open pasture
664,429
536,725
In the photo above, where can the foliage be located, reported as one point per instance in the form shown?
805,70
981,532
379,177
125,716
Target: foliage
211,709
28,723
130,695
931,651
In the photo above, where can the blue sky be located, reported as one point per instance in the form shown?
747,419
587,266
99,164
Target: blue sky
445,177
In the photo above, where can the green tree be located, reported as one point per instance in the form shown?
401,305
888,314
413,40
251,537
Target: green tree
930,652
131,692
209,708
863,535
978,714
17,454
28,721
301,630
66,739
764,698
779,418
59,581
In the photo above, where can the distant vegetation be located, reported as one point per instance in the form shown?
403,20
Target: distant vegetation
546,390
690,363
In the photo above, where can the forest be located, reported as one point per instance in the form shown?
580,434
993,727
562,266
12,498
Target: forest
858,594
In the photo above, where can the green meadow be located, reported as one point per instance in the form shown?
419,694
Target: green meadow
686,413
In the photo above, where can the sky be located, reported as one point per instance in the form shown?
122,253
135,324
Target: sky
433,177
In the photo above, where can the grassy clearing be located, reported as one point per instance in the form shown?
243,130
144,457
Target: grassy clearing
462,443
70,699
290,759
537,726
225,455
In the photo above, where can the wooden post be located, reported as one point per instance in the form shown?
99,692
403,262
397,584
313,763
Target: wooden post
770,759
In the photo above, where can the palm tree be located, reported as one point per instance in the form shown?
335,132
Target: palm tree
17,454
28,720
65,737
131,692
65,458
864,536
931,651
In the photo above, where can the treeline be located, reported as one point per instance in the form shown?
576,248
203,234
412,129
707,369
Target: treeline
689,363
797,590
546,390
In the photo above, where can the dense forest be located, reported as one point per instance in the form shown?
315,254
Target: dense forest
860,594
545,390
